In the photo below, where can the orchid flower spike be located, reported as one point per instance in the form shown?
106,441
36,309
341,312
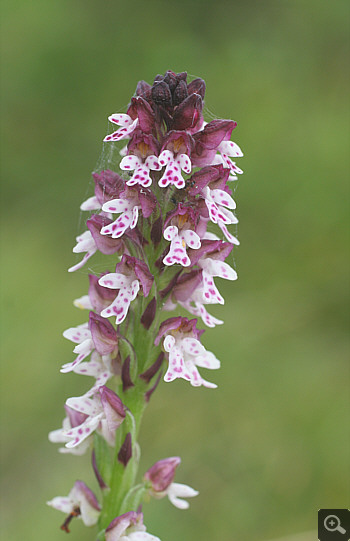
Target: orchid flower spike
160,235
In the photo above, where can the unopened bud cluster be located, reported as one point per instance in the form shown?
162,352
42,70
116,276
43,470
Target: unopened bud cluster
164,218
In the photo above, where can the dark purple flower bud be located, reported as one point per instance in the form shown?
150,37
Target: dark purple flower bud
106,245
161,94
150,391
103,334
100,481
182,76
171,80
113,407
76,418
157,230
100,297
108,185
208,139
141,109
148,315
162,473
214,175
180,93
143,89
153,369
197,86
126,378
125,452
188,113
148,201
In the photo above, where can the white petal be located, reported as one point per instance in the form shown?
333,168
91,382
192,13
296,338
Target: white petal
165,157
130,162
192,346
185,163
218,268
227,234
64,504
121,119
169,342
191,238
120,305
117,228
117,205
83,261
223,198
83,303
230,148
170,232
77,334
152,163
176,491
211,294
136,536
177,367
88,406
208,360
90,204
114,280
135,217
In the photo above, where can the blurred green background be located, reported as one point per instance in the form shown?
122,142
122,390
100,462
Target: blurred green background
269,447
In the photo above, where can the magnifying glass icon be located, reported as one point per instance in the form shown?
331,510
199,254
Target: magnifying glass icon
332,524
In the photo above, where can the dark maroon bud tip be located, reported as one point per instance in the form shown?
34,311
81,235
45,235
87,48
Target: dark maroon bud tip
157,231
148,316
197,86
161,94
125,452
180,93
126,378
143,89
100,481
150,391
153,369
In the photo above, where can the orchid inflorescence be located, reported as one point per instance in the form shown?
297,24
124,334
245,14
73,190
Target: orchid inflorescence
155,218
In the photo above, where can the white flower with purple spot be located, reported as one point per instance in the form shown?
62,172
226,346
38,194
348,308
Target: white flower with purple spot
105,413
174,165
178,242
99,367
128,126
129,214
128,287
80,335
185,354
197,309
229,149
81,502
128,527
141,169
85,243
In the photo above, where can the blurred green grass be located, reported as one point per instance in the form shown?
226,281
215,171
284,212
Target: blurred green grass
268,448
